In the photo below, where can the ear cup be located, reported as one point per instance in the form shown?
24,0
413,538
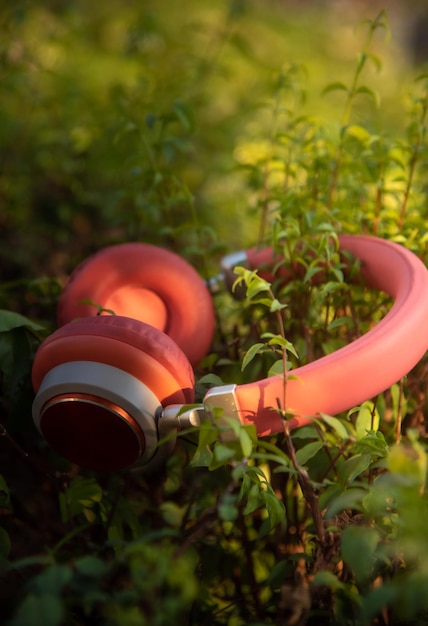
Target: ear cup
134,347
99,384
146,283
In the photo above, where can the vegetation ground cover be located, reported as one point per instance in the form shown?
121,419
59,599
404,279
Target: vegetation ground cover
207,127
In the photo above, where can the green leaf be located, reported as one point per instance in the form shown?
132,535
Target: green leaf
172,513
375,60
100,309
409,461
202,458
363,89
361,60
376,600
367,419
223,453
254,499
311,272
264,301
398,401
330,287
207,434
281,342
358,548
277,369
278,573
359,132
309,451
31,561
336,424
91,566
229,424
254,283
53,579
340,321
275,508
228,510
82,494
39,609
276,305
10,320
246,443
353,467
255,349
372,443
327,579
348,499
211,379
336,86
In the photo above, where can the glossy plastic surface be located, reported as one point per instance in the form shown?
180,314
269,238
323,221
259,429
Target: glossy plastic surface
134,347
146,283
363,368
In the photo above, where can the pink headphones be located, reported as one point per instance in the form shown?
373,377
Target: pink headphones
109,387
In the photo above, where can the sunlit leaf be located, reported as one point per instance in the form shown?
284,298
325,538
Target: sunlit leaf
408,460
363,89
336,424
255,349
246,443
275,508
367,419
336,86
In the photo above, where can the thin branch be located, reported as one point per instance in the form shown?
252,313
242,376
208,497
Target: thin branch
304,481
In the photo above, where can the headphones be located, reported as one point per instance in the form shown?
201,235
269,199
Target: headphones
110,387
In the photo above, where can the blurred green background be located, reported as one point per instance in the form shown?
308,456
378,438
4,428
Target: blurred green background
123,121
186,123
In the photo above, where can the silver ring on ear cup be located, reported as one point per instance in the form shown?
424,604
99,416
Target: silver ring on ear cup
97,415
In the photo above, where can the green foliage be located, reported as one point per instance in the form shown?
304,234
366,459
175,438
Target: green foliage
82,590
180,124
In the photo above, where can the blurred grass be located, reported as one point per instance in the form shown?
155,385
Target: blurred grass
123,121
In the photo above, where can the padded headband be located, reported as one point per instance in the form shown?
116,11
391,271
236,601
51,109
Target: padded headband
359,371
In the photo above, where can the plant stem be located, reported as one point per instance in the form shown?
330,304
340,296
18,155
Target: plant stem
413,161
303,479
399,413
352,93
69,536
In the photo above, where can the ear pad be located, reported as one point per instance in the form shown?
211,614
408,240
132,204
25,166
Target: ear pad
146,283
132,346
99,382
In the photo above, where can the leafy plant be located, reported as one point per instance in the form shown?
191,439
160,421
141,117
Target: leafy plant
179,124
